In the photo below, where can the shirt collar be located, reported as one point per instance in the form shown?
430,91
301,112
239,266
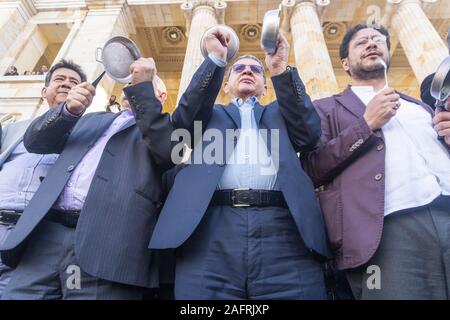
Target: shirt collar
249,102
126,112
362,89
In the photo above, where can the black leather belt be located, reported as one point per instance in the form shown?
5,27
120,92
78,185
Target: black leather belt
248,198
9,217
66,218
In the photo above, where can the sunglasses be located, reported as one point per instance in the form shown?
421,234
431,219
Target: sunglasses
239,67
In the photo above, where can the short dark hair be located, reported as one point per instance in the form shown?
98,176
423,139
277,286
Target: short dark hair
343,49
68,64
247,56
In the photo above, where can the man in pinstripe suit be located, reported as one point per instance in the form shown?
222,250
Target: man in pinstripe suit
85,233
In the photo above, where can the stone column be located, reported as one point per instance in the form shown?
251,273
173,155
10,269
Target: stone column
422,44
101,22
14,17
200,15
311,53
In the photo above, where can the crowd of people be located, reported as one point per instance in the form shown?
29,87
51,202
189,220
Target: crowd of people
12,71
345,197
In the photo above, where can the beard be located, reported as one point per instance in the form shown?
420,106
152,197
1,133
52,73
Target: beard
368,72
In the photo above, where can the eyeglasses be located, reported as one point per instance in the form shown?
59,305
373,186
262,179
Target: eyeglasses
378,39
239,67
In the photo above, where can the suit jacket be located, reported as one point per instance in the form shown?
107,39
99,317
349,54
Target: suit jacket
12,135
299,129
122,204
348,168
425,94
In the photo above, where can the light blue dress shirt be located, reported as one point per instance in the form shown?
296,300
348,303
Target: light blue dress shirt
250,165
21,176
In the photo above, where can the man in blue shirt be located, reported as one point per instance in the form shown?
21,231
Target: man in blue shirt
246,225
22,172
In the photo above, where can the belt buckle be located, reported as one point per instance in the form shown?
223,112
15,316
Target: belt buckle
234,200
4,214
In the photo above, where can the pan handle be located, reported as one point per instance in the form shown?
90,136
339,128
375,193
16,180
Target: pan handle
98,55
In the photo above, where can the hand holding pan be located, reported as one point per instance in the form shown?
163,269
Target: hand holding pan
440,86
232,46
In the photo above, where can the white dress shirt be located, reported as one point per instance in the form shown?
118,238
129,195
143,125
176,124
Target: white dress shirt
417,165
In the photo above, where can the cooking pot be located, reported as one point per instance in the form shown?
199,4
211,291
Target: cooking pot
270,29
233,45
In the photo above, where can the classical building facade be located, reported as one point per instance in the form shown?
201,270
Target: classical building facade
40,32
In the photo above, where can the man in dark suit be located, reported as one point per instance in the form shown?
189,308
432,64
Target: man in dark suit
246,223
381,168
85,233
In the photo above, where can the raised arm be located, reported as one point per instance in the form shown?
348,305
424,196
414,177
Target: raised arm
49,132
302,120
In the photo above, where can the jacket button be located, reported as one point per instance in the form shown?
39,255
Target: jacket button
380,147
378,176
70,168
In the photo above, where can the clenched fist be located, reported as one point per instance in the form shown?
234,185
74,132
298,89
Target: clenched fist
216,42
80,98
441,122
143,69
278,61
382,108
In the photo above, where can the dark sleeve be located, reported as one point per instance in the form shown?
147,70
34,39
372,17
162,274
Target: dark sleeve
303,123
425,94
49,132
156,127
197,102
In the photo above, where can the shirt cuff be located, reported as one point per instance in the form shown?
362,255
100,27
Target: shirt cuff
67,115
218,61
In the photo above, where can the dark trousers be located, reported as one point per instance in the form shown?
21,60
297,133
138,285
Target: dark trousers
5,271
49,270
247,253
413,256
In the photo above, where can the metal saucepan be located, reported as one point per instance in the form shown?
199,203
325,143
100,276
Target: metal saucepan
440,86
117,55
233,45
270,29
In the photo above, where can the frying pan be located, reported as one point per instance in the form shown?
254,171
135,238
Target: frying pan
117,55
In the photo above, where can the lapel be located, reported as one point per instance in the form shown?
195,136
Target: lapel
233,113
351,102
84,135
258,110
